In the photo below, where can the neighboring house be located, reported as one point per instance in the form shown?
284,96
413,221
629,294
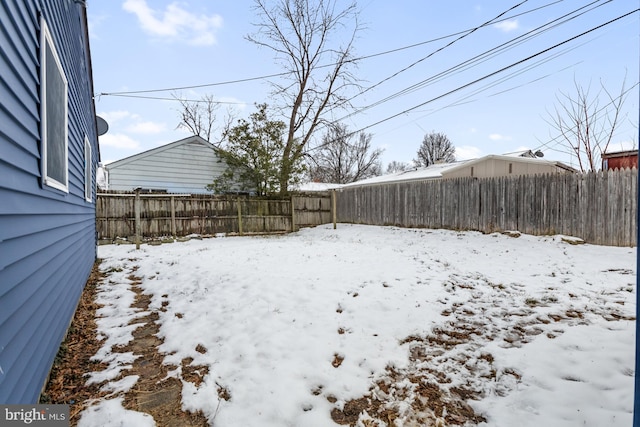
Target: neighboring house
483,167
315,187
620,160
184,166
48,159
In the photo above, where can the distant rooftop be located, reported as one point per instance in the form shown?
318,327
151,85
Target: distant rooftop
437,170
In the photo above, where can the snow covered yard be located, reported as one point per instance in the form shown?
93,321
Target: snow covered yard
375,326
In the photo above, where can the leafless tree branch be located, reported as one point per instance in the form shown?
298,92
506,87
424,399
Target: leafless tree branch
341,160
301,35
200,117
587,128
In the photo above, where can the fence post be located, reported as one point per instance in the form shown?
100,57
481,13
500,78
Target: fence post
293,215
333,207
174,230
239,216
136,208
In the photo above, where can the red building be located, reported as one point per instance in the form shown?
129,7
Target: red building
620,160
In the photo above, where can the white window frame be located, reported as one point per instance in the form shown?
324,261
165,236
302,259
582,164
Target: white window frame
46,41
88,176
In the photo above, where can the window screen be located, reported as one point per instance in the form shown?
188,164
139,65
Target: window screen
87,171
54,115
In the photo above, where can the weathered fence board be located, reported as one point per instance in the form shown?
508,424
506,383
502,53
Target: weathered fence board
599,207
181,215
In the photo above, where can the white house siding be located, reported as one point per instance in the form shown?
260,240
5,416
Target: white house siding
185,166
499,166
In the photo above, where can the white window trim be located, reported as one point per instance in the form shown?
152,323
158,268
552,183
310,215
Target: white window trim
47,180
88,167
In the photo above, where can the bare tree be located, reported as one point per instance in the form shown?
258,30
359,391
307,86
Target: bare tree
302,35
396,166
341,161
435,148
200,117
586,127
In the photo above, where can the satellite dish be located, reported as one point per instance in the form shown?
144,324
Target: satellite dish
103,126
539,153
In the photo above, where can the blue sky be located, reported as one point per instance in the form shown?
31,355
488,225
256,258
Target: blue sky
140,45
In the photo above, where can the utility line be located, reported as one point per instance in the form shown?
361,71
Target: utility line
460,67
467,33
465,99
164,98
249,79
459,32
459,88
268,76
483,57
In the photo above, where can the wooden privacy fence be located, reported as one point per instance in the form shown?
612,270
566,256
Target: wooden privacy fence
182,214
599,207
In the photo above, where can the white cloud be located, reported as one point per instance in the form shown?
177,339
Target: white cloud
507,26
118,140
622,146
147,128
467,152
115,116
175,22
499,137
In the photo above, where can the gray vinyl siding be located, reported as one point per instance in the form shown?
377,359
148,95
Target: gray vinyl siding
185,166
47,236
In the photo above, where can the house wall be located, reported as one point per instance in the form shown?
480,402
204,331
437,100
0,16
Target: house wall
620,162
500,167
180,168
47,236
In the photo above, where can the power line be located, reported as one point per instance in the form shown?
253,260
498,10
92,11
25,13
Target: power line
161,98
268,76
483,57
466,34
172,89
498,71
458,33
459,88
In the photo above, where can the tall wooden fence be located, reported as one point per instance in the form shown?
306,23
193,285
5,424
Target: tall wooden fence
598,207
180,215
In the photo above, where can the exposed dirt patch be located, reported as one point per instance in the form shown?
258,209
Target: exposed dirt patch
66,383
223,393
351,411
193,373
154,393
337,360
417,394
448,368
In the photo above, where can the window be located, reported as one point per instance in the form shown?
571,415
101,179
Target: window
88,187
510,167
53,115
471,170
